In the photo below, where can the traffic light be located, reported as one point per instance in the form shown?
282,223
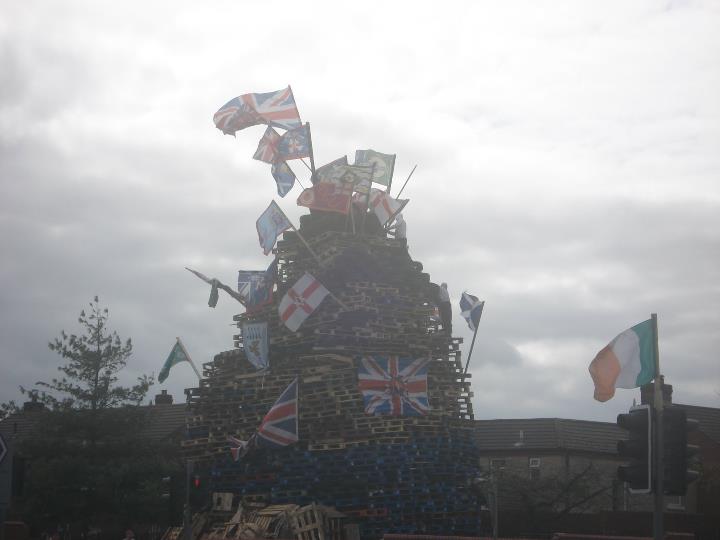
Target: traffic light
198,493
677,451
637,449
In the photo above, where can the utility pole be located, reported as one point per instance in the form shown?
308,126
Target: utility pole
187,512
658,458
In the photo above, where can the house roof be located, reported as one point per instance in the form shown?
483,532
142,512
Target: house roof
709,418
576,435
548,434
162,421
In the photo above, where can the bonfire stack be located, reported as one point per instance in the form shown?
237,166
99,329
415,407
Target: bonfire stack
390,473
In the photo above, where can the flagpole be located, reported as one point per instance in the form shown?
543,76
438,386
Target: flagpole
406,181
312,153
367,198
472,344
657,455
296,176
392,170
187,355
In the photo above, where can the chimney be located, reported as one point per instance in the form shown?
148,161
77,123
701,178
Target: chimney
647,393
163,398
33,405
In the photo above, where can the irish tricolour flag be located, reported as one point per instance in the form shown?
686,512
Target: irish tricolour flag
627,362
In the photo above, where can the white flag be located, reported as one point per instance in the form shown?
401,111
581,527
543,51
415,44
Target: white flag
300,301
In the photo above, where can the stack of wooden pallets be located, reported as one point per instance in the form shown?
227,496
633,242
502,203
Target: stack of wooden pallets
403,474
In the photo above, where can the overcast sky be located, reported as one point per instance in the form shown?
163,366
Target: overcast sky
568,173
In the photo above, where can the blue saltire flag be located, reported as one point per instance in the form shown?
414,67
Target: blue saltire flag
279,427
471,309
256,286
284,177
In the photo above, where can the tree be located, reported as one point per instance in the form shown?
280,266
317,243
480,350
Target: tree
89,460
94,360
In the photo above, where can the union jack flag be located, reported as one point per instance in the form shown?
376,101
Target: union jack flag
267,147
280,425
394,386
272,108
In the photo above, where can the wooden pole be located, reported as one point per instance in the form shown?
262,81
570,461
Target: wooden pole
406,181
312,154
392,170
467,362
657,456
367,199
187,355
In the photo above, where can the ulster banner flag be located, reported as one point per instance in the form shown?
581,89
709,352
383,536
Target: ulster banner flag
300,301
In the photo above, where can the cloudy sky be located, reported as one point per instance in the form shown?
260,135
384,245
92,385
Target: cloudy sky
568,173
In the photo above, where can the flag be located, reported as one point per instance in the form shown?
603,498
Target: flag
267,146
359,176
471,309
331,196
384,165
284,177
384,206
256,286
272,108
292,144
300,301
271,223
241,447
255,343
216,284
628,361
279,427
177,354
295,143
325,172
334,185
392,385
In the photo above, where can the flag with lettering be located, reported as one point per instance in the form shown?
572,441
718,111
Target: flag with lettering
279,427
384,165
255,343
300,301
326,171
271,223
394,385
272,108
284,177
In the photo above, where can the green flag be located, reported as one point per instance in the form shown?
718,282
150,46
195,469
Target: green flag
176,356
384,165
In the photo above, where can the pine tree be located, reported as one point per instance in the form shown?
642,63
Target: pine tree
94,360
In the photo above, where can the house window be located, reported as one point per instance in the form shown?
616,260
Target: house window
675,502
534,465
497,464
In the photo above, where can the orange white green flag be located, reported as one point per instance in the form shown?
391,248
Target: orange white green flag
628,361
